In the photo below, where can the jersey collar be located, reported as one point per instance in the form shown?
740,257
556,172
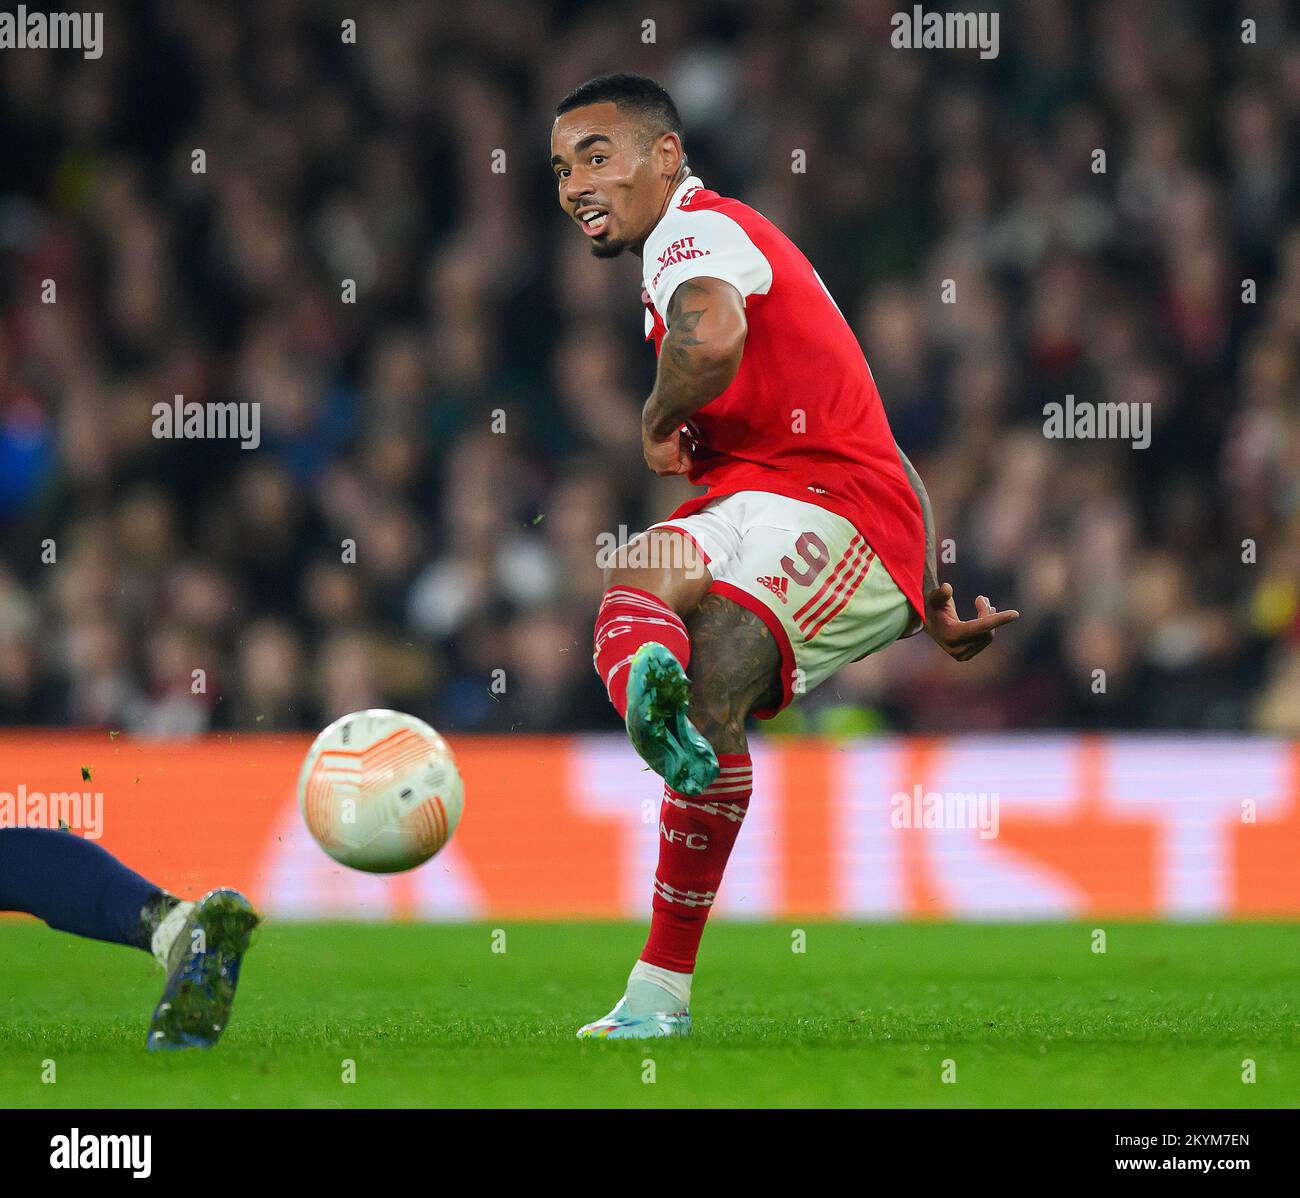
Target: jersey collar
682,188
691,181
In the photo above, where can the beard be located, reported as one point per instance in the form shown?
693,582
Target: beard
607,247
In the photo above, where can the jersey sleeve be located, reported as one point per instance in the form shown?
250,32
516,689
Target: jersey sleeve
691,245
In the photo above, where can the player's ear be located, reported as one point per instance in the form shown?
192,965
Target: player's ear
668,154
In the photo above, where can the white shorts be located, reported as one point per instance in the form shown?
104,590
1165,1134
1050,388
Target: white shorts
807,573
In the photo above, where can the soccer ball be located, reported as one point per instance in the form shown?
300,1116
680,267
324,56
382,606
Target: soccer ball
380,791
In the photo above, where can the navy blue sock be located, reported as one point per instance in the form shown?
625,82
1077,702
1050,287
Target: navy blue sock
75,886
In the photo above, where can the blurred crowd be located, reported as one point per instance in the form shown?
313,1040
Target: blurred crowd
419,525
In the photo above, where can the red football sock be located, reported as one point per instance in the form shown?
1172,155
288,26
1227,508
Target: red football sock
696,833
627,619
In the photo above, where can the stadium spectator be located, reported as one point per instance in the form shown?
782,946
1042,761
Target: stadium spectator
439,458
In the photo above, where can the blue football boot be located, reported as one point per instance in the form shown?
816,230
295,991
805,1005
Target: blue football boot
202,966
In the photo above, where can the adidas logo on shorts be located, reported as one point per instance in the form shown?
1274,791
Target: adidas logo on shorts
778,586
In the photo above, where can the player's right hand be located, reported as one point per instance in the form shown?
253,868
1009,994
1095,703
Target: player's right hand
667,456
959,638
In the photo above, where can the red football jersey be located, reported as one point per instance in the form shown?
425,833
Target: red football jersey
802,417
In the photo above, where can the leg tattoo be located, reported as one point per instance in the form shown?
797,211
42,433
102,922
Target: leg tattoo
735,667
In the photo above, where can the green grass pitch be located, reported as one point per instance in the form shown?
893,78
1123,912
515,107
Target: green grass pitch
867,1015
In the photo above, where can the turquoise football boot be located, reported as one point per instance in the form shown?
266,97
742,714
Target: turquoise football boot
658,697
621,1024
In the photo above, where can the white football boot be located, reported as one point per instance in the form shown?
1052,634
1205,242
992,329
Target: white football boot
656,1004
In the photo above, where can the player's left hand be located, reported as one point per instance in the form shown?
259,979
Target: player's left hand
667,456
959,638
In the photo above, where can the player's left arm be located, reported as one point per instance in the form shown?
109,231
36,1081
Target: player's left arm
699,357
930,569
960,639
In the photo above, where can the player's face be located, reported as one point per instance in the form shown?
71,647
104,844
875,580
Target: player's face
610,181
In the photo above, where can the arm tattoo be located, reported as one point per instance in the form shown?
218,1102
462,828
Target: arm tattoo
690,371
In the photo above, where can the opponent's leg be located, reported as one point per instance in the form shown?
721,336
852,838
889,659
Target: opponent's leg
736,669
76,886
642,651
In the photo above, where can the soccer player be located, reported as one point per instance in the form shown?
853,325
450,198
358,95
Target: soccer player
812,546
76,886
